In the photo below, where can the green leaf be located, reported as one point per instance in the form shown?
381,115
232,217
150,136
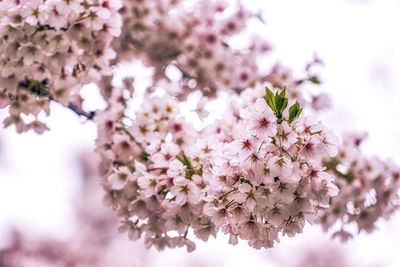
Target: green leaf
277,101
314,79
180,159
40,88
283,93
331,165
187,162
281,101
144,156
164,191
314,133
294,111
285,103
200,171
245,181
270,99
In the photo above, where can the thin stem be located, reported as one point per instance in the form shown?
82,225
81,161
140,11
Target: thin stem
230,204
227,193
123,129
44,93
88,115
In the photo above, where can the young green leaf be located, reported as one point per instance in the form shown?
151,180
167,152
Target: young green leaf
40,88
285,103
180,159
283,93
270,99
281,103
294,111
314,79
278,101
144,156
186,162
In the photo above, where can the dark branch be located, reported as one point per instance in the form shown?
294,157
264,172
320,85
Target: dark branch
88,115
41,89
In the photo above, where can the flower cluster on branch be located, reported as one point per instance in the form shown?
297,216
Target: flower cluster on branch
49,49
368,188
255,174
260,172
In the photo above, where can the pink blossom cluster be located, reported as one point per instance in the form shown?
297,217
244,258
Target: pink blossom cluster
253,175
195,39
49,49
267,175
152,191
258,173
369,188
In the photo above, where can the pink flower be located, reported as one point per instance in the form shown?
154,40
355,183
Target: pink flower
245,195
34,11
280,167
165,156
149,184
286,135
119,179
261,120
311,148
329,144
58,13
185,191
38,127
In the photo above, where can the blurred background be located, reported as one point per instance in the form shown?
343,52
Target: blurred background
50,200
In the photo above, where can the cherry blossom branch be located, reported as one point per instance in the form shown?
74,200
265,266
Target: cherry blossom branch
88,115
123,129
41,89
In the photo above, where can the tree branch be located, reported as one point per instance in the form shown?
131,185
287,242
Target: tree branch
88,115
41,89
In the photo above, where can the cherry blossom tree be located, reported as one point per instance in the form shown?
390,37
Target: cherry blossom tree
263,170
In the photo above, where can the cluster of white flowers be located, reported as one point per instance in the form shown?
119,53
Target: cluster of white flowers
152,190
261,171
268,177
259,174
369,188
49,49
195,39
